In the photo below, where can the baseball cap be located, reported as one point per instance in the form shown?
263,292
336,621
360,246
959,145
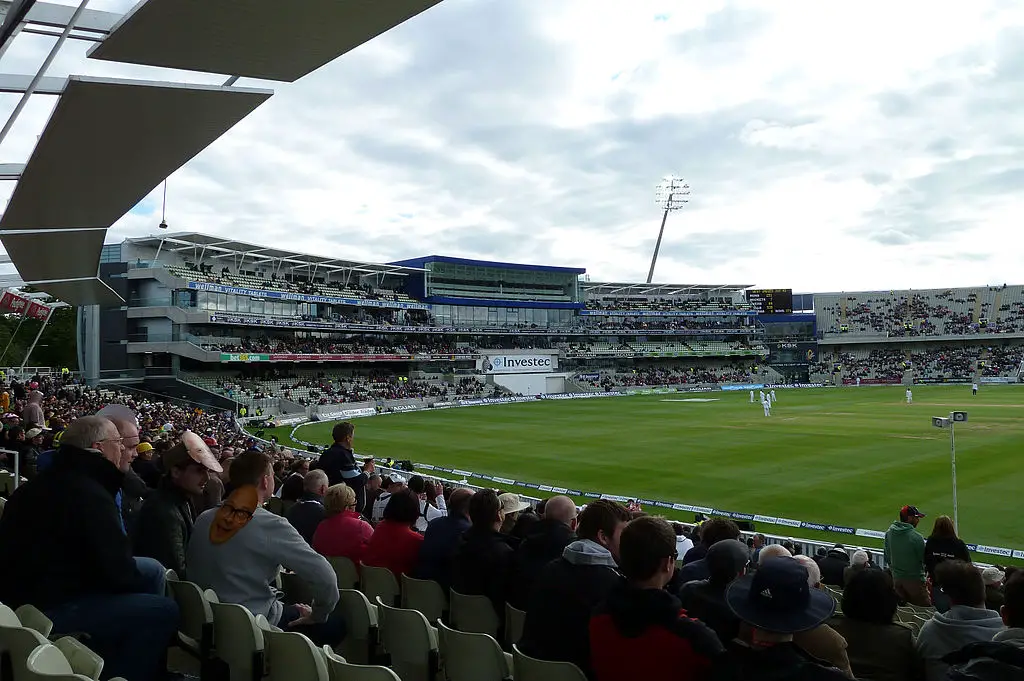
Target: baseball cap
911,512
144,447
777,598
726,559
511,503
33,432
191,448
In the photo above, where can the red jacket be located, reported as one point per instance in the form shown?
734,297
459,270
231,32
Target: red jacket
394,546
645,634
345,535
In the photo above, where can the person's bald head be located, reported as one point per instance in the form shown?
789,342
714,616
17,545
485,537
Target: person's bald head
458,502
561,509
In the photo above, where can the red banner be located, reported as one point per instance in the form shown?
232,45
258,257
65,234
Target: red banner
12,302
38,311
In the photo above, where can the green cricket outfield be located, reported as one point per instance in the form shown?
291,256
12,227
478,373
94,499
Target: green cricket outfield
847,457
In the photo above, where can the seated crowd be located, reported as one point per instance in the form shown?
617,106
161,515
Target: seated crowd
616,592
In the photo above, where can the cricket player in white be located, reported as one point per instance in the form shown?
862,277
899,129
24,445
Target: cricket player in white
974,389
751,396
762,397
774,399
910,396
767,407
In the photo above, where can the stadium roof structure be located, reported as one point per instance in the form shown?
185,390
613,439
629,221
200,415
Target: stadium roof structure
206,247
266,39
420,262
110,141
608,289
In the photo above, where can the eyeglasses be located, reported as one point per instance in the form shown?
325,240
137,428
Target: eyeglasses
239,514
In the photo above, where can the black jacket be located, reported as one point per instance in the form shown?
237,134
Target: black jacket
439,543
339,462
482,566
60,536
938,549
832,566
986,661
544,543
306,515
564,596
706,602
163,526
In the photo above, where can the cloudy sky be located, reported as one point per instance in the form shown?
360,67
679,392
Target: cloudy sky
829,145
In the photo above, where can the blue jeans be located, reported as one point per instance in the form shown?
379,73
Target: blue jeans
154,576
131,632
331,633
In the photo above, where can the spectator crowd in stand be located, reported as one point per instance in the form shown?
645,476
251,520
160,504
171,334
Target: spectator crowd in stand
617,592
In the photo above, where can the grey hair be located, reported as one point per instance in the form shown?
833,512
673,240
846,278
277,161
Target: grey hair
813,571
772,551
86,431
314,480
860,557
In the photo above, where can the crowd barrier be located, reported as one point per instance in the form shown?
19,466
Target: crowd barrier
762,518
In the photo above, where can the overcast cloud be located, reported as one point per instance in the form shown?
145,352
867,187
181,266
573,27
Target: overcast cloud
829,146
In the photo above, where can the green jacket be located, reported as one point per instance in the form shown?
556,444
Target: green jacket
904,551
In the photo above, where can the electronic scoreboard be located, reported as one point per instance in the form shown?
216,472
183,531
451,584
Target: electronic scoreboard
771,300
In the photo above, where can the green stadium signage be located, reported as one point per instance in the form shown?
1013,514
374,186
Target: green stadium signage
243,357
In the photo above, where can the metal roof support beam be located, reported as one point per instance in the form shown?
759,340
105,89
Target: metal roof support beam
19,83
42,70
11,171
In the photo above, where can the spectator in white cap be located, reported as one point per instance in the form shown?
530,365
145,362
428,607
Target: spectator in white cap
994,579
511,506
164,523
777,602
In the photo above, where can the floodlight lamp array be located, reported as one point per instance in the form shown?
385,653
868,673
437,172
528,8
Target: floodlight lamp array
672,193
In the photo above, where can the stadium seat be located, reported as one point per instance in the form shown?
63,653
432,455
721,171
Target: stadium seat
377,581
32,618
47,663
514,621
82,660
18,642
291,655
526,668
473,614
472,657
410,642
3,502
195,632
345,569
238,641
341,670
424,595
363,636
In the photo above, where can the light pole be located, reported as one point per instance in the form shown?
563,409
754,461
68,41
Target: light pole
949,422
672,193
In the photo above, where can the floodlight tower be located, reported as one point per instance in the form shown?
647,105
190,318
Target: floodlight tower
672,193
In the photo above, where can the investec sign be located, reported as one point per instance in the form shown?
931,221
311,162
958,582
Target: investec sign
519,364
